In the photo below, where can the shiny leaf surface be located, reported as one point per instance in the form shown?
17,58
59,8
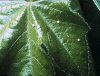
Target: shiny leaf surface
44,36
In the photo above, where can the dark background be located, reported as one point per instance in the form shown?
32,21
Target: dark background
92,15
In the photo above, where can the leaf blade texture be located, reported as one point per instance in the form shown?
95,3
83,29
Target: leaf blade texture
49,35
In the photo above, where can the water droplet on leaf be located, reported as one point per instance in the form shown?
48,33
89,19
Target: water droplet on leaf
78,39
58,21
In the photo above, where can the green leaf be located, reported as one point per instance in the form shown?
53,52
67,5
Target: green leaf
97,3
20,55
66,32
49,36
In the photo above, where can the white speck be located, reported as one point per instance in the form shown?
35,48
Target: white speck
78,39
33,25
37,25
58,21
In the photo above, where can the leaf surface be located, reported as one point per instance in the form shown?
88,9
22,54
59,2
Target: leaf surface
49,35
97,3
